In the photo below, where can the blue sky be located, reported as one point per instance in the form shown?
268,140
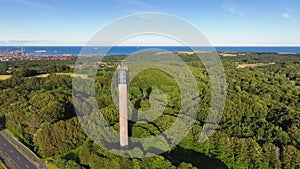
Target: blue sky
223,22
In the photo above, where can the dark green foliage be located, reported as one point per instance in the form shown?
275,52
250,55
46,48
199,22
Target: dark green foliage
24,72
70,164
58,138
260,127
40,66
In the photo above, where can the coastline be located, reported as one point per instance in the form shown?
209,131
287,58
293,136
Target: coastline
127,50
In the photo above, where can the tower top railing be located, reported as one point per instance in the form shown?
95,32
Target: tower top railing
122,75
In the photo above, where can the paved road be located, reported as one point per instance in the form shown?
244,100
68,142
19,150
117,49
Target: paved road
18,158
36,160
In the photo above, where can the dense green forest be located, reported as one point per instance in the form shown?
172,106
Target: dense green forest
260,127
39,66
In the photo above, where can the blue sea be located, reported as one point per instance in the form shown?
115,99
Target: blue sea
76,50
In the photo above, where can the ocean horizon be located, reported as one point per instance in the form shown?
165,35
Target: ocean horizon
127,50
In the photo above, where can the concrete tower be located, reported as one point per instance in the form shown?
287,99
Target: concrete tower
123,81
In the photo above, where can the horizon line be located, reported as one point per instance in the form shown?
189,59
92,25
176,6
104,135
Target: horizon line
149,46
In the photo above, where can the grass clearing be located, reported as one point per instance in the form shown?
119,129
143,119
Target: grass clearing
238,65
42,75
83,76
4,77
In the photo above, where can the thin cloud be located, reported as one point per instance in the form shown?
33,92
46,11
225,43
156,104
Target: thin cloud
136,3
38,43
233,9
285,15
29,3
23,41
2,41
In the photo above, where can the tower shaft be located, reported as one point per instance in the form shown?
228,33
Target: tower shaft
122,79
123,113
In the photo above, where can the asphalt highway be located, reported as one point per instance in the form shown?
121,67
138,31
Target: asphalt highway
18,158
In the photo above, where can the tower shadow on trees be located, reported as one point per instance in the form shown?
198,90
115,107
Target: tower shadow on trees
199,160
133,120
2,123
